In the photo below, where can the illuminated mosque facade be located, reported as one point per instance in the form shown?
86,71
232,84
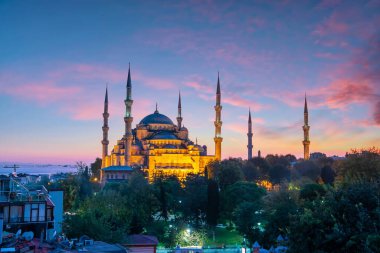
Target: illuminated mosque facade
156,145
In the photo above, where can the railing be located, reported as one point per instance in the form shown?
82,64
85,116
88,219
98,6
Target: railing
16,196
18,192
28,219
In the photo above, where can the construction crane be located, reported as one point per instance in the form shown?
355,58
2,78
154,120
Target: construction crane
14,167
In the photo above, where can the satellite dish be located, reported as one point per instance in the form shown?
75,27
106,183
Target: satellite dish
28,236
18,233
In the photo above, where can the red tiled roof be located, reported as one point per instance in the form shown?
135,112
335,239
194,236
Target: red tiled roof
141,240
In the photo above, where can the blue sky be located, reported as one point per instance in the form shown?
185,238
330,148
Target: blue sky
57,56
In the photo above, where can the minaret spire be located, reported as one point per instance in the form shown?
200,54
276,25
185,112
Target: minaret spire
249,134
128,121
179,117
218,123
105,129
306,128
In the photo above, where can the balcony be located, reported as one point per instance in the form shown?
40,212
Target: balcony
13,191
37,219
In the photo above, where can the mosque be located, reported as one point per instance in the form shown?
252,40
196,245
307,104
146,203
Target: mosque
156,145
160,147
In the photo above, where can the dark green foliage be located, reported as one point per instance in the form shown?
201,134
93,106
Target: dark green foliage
230,172
279,160
118,209
312,191
212,212
360,166
339,217
238,193
346,220
169,193
104,217
248,219
195,199
161,194
262,167
307,169
95,168
279,173
328,175
251,171
278,209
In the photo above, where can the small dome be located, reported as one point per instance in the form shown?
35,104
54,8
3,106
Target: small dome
156,118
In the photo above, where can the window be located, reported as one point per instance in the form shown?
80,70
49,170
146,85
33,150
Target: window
27,212
41,212
16,214
49,214
34,212
6,213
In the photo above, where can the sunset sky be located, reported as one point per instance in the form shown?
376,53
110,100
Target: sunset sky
57,56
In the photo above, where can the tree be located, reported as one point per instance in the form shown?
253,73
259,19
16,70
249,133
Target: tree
278,207
279,173
238,193
85,187
262,166
345,220
141,199
248,220
307,169
250,170
360,166
212,213
312,191
328,175
105,217
188,237
230,172
278,160
161,195
195,199
95,168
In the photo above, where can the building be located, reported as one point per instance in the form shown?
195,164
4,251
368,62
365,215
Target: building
156,145
141,244
317,155
27,209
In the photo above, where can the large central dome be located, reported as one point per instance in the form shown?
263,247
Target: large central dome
156,118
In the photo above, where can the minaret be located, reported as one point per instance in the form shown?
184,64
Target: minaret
249,134
128,121
105,129
306,128
218,124
179,117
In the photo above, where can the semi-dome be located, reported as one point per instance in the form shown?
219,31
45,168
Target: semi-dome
156,118
164,135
